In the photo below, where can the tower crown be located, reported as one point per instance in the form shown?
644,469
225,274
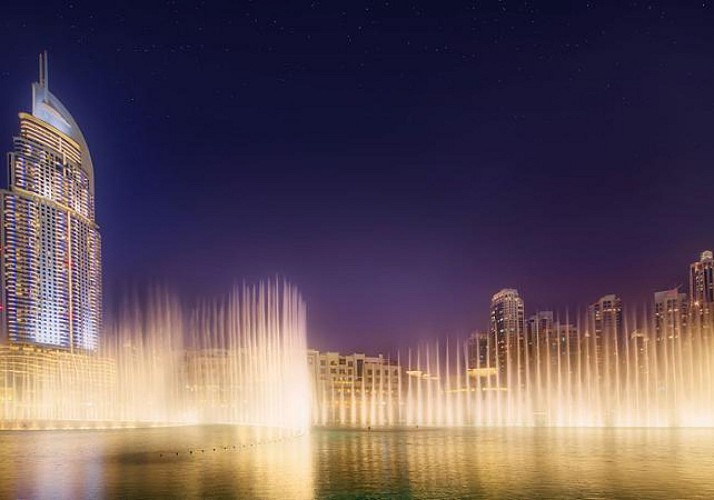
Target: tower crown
48,108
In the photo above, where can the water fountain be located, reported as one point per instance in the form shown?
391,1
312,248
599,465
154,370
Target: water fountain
236,360
560,379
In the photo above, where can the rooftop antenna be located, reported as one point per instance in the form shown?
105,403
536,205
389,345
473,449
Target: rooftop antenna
43,69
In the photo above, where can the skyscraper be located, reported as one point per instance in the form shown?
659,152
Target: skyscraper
605,332
569,340
51,264
701,290
670,314
478,350
541,334
542,347
508,333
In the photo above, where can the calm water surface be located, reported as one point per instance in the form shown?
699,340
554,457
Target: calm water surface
470,463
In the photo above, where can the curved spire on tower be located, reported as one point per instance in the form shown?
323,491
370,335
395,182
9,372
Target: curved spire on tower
48,108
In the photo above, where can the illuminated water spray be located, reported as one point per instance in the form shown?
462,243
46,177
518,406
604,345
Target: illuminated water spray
237,360
570,377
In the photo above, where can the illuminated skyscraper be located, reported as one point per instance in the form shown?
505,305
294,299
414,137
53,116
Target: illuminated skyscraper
51,264
701,290
508,333
670,314
605,335
541,334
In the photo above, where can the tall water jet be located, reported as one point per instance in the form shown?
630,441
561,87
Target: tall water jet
240,359
568,375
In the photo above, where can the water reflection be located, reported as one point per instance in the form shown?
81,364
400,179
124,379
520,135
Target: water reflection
516,463
195,462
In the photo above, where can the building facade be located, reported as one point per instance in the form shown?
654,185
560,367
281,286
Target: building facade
569,345
701,291
354,389
50,243
508,333
604,338
670,314
479,349
540,332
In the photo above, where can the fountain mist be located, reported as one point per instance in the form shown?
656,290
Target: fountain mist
563,377
238,360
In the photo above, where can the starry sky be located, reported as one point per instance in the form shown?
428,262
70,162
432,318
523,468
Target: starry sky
398,161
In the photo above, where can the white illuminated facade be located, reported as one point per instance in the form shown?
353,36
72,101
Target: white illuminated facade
354,389
51,261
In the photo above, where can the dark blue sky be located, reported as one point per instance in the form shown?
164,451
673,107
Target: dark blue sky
398,161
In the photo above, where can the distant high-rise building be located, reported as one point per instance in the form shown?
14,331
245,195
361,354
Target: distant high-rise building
605,333
478,350
670,314
508,334
639,355
569,344
701,290
540,332
541,349
51,268
542,342
481,359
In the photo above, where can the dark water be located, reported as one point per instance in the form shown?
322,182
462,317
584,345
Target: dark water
484,463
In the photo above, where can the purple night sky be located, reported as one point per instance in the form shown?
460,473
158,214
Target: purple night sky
398,161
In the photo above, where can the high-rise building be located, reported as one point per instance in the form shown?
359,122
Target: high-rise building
508,334
541,333
670,314
569,341
639,353
701,290
543,346
51,266
478,350
605,334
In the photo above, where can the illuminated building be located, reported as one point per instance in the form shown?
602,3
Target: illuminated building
569,340
51,266
670,314
353,388
478,350
480,359
541,334
51,388
605,335
508,333
639,354
542,346
701,290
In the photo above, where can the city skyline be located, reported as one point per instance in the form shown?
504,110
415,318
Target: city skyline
53,117
362,249
601,368
397,226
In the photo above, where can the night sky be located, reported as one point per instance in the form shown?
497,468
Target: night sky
399,162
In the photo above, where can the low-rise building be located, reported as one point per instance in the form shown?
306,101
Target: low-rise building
354,389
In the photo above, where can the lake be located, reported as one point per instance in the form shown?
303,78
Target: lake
231,462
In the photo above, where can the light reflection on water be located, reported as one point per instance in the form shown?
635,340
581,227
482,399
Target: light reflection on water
466,463
143,463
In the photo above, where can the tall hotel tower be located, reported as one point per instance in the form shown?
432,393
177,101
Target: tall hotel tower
51,264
